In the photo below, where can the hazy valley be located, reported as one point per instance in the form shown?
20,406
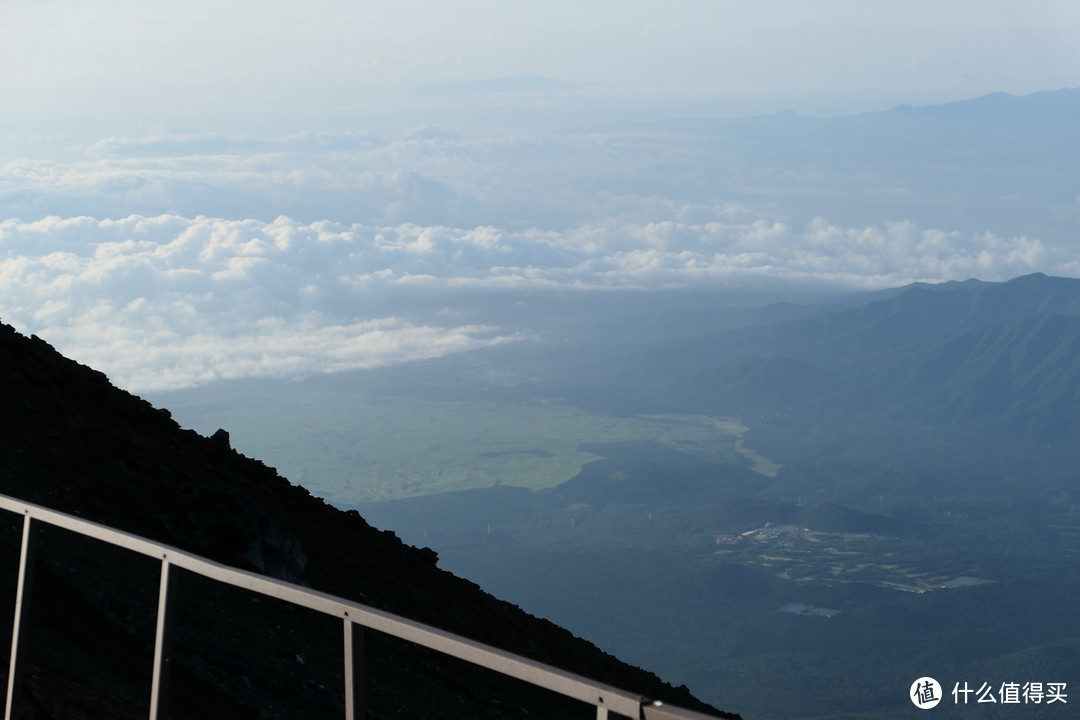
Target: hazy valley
790,517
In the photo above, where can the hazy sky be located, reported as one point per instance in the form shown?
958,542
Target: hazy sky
217,63
202,190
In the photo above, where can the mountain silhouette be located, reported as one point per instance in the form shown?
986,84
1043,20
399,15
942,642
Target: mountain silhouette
1003,355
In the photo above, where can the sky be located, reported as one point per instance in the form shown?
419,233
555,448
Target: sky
216,64
212,190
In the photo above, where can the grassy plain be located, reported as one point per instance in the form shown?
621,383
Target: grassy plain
350,446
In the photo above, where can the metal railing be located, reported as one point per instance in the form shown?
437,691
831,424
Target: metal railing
605,699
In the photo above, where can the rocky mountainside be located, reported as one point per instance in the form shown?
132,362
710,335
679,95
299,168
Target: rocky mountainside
71,441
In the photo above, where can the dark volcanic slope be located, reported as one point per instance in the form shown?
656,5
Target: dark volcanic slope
71,441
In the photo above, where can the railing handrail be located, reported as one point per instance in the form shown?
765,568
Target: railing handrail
601,696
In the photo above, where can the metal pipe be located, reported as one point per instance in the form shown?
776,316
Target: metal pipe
27,556
159,690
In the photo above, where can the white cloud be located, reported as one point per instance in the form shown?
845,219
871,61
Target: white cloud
180,257
138,351
311,176
651,176
170,301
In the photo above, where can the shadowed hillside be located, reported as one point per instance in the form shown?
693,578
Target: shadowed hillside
1000,355
71,441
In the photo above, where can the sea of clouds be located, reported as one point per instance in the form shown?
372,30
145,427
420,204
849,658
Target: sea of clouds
177,259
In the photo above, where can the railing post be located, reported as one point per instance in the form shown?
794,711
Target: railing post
162,644
354,671
27,560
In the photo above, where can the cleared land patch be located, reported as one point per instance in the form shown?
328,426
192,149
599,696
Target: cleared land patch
351,447
729,427
808,556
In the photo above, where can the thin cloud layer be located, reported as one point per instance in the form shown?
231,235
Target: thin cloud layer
856,172
202,144
171,301
179,258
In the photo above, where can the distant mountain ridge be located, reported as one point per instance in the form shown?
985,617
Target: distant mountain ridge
916,313
1005,354
994,108
1001,105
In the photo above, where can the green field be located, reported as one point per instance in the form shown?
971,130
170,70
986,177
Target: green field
350,447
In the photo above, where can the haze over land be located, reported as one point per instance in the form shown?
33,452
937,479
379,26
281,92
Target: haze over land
586,294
